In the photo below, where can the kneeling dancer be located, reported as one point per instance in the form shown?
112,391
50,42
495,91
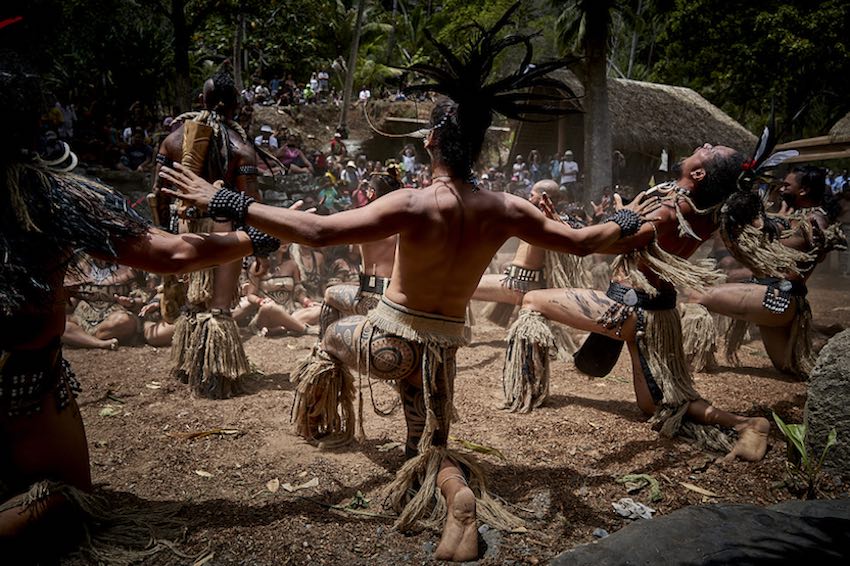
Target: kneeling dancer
782,252
448,233
639,309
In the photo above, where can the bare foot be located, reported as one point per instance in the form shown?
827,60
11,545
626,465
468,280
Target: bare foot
459,542
752,440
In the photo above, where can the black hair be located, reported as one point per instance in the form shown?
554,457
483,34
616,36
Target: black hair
386,182
721,179
460,121
812,178
223,95
457,139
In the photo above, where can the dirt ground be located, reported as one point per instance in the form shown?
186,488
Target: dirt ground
560,468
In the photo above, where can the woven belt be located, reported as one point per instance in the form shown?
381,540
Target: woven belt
634,298
373,284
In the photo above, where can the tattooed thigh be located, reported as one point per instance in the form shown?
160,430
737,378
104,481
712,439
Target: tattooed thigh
342,298
390,357
365,303
340,339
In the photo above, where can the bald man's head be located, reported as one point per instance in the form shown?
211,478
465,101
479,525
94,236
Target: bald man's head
547,186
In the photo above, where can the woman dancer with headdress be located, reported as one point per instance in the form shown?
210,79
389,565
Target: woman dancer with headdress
448,233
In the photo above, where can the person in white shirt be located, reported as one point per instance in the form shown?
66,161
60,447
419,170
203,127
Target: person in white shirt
364,95
569,174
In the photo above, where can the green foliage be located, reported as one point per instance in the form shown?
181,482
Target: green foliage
753,51
636,482
802,467
741,55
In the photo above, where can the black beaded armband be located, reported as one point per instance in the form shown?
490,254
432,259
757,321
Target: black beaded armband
229,205
262,243
629,221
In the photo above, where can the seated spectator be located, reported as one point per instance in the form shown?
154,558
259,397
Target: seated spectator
138,156
293,158
262,94
104,305
349,176
364,96
338,146
328,196
266,140
309,94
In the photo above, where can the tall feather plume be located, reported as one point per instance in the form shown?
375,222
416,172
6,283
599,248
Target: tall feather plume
465,77
761,159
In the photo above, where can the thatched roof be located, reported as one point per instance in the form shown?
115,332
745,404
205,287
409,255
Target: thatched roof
841,130
649,117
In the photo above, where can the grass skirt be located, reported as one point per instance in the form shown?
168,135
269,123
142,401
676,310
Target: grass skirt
525,379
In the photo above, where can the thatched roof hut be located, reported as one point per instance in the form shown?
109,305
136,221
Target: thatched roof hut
646,118
840,132
649,117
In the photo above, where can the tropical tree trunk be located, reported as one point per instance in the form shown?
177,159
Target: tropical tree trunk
183,81
391,38
237,52
597,120
352,65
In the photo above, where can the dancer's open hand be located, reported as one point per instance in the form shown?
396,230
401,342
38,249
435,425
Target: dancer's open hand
548,208
192,188
642,204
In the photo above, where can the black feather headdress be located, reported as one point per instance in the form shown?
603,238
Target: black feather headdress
744,206
465,78
762,159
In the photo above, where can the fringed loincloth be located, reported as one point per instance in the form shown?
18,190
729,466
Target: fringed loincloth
700,337
108,534
662,359
779,295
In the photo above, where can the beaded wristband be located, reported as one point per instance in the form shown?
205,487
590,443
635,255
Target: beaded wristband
229,205
262,243
629,221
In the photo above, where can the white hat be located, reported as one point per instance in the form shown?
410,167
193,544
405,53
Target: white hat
350,164
267,128
568,152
